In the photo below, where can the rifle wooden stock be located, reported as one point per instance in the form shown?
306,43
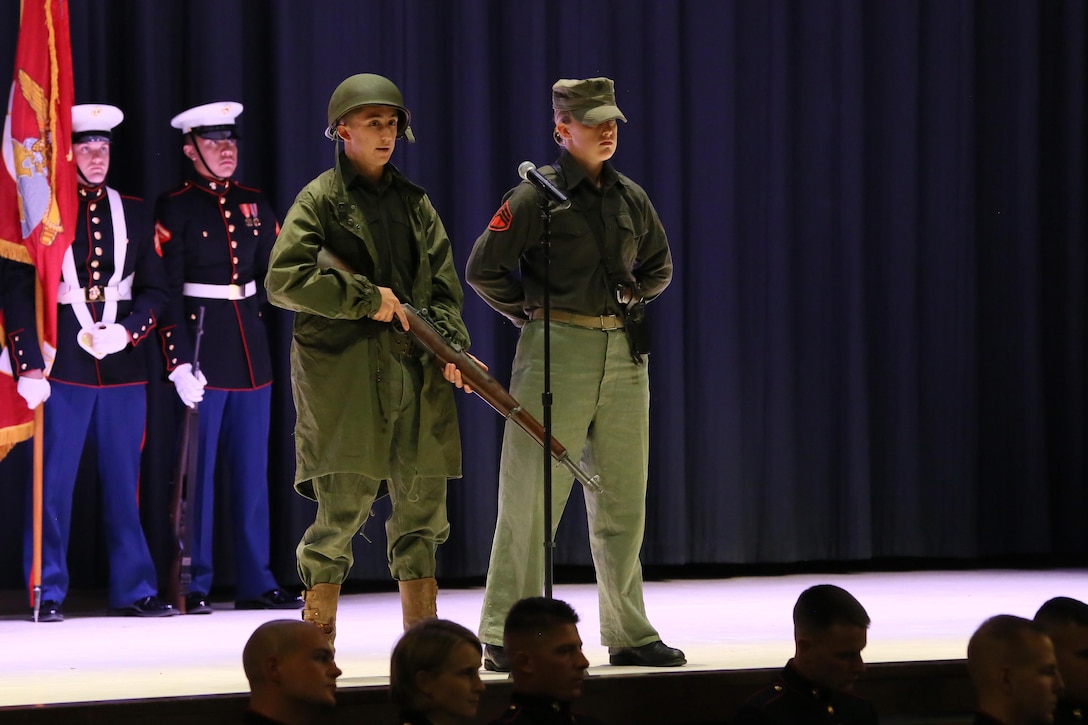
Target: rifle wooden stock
180,578
432,339
491,390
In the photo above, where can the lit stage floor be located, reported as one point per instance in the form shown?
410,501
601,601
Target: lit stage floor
722,624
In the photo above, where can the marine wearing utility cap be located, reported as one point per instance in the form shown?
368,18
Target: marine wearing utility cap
367,89
591,101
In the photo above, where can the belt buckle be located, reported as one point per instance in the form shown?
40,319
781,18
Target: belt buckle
93,293
604,323
235,292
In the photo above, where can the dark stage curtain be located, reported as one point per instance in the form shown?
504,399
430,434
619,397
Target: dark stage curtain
874,342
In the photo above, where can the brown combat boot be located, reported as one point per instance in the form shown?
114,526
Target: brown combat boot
418,600
320,608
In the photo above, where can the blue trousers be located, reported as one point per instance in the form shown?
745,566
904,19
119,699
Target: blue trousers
118,415
234,425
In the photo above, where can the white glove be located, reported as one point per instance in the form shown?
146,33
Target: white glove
190,387
109,338
85,338
34,391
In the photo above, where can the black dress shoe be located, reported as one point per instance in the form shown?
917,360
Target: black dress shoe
495,659
49,611
272,599
146,607
197,603
655,654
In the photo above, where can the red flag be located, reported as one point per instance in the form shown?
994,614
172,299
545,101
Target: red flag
38,202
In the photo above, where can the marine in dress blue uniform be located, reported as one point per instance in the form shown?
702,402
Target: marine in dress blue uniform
830,631
216,236
111,293
796,700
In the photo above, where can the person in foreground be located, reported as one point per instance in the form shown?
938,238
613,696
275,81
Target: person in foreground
1065,621
546,663
610,256
292,674
1012,665
434,674
374,415
829,632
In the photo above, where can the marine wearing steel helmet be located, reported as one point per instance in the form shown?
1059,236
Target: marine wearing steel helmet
367,89
347,279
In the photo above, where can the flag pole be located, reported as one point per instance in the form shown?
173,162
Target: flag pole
36,492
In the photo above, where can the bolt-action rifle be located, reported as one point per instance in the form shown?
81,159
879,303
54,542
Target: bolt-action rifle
432,339
177,585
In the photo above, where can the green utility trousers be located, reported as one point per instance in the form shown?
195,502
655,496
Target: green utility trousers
601,404
418,523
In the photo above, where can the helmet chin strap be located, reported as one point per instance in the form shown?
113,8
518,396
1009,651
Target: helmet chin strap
196,147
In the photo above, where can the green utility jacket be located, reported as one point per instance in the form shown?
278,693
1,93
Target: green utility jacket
338,353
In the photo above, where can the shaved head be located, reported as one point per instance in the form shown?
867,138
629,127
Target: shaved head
1000,642
1012,664
291,671
277,639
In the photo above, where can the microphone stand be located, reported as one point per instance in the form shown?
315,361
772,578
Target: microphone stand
546,397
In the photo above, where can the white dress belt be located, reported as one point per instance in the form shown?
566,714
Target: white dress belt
220,291
68,295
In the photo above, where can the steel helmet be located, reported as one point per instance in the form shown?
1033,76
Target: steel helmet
367,89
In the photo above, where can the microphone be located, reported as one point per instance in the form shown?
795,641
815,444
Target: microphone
527,170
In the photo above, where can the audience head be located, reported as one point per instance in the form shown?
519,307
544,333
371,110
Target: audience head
435,671
830,629
291,671
542,643
1012,665
1065,621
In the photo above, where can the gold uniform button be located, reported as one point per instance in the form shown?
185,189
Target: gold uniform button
95,220
96,275
230,227
234,259
170,347
92,207
204,233
233,244
98,235
222,200
173,361
234,276
94,263
255,232
192,317
227,213
98,251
